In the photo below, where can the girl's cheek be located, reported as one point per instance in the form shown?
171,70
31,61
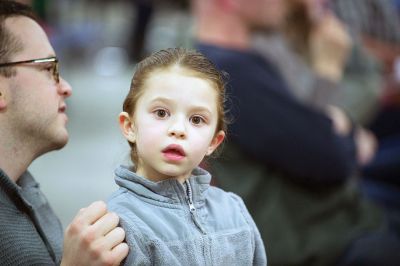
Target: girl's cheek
151,132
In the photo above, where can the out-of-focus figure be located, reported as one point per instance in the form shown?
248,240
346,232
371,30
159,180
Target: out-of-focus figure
293,163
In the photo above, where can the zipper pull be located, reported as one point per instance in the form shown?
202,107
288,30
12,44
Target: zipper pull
192,209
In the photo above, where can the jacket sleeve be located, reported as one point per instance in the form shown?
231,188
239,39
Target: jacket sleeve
260,256
138,254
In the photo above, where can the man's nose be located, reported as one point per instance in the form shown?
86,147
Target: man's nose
64,88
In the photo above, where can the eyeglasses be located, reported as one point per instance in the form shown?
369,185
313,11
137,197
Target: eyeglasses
53,60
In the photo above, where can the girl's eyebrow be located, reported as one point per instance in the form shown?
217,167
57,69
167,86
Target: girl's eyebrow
201,109
195,108
162,99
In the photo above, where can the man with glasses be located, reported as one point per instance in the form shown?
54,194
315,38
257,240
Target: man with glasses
33,122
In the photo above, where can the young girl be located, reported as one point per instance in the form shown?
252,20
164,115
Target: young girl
172,117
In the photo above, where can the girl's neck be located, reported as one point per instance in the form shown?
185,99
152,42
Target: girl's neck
155,176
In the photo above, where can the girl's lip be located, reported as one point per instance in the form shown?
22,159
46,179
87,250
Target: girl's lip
175,149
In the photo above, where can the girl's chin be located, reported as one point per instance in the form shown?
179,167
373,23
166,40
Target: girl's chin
179,175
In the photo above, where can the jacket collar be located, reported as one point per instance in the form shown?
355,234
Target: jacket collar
17,190
169,191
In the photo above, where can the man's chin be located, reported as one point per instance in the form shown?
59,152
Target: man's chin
60,142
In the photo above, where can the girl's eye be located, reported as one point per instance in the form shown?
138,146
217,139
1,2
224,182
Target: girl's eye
161,113
197,120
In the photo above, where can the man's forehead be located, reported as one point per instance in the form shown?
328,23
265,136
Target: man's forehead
30,34
23,27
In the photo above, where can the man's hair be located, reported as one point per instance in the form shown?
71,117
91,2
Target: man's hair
9,43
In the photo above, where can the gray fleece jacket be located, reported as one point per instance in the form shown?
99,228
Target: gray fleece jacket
169,223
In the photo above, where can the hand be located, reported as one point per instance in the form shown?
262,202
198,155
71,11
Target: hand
366,144
341,123
93,238
330,45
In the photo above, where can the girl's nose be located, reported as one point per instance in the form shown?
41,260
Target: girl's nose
177,129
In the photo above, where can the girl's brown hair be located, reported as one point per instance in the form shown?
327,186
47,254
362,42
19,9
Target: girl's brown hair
189,61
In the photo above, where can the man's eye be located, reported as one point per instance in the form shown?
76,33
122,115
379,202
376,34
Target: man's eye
196,120
48,67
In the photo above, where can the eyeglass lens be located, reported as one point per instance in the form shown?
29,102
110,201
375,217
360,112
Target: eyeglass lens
56,73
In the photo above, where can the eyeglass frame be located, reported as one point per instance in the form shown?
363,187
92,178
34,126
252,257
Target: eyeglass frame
56,73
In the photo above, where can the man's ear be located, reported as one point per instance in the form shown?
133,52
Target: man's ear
127,127
216,141
3,102
3,92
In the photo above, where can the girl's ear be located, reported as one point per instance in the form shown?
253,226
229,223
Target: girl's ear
216,141
127,127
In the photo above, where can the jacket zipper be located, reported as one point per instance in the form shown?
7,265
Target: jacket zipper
192,208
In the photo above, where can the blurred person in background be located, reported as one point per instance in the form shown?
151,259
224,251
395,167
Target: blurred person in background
145,12
324,66
32,123
294,165
320,62
311,49
376,24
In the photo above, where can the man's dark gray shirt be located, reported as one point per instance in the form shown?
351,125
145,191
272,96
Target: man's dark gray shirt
30,232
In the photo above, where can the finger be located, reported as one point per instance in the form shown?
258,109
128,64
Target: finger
79,213
93,212
120,252
114,237
105,224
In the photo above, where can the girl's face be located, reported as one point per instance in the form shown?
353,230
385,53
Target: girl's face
174,124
